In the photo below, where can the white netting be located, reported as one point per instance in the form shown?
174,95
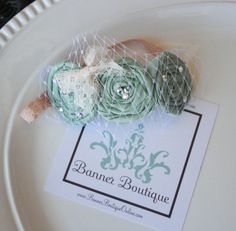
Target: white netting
120,81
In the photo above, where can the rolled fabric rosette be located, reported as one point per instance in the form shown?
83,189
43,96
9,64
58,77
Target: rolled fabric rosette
127,91
173,81
72,92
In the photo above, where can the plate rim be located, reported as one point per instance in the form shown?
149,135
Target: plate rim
23,18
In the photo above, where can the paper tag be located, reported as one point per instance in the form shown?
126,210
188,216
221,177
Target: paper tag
143,171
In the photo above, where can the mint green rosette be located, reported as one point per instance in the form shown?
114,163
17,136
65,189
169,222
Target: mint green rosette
173,81
127,93
65,103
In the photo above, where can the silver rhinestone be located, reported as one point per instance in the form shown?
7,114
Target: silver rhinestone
181,69
80,114
125,96
119,90
126,90
185,99
164,78
60,109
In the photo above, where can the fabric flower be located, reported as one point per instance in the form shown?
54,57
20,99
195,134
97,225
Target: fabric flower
127,91
173,81
72,92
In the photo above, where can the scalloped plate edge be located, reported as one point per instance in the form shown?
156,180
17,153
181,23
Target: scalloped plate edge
20,20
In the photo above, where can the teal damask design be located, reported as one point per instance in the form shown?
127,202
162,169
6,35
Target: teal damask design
131,156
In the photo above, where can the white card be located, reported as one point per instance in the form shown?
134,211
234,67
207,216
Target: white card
144,171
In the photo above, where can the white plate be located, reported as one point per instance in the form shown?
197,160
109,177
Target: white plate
208,28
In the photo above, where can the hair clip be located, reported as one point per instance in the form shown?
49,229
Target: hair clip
119,88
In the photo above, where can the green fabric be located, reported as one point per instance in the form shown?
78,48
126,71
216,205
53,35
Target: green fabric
173,81
141,97
64,103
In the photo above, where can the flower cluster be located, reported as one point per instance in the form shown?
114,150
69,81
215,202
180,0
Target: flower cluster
120,90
